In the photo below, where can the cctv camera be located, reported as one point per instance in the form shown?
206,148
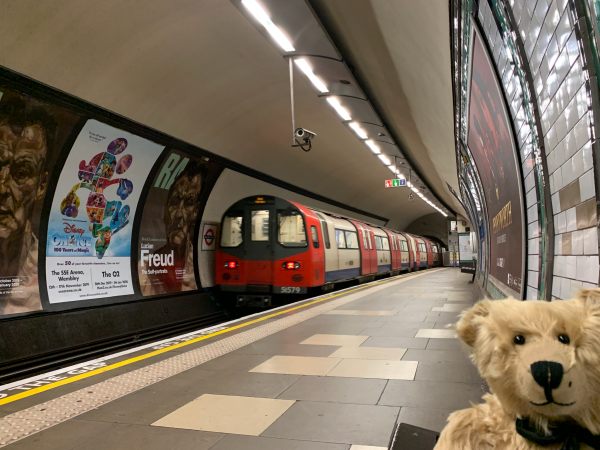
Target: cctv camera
304,134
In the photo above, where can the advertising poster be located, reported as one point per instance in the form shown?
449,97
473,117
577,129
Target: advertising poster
32,135
88,249
167,229
492,145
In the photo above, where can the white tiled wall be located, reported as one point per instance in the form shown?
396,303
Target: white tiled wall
556,64
546,28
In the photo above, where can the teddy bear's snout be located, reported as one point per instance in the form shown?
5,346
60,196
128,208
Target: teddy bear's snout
548,374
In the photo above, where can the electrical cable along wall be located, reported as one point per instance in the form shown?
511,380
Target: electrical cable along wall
544,54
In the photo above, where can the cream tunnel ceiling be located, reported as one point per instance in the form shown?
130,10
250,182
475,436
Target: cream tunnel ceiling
207,73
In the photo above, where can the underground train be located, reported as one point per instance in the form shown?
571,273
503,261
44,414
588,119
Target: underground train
269,245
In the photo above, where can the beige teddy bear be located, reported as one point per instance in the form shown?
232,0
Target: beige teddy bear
542,363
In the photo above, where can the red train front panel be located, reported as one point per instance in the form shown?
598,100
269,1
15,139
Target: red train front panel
269,245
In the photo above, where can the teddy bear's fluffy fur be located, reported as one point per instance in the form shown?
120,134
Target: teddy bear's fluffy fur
489,328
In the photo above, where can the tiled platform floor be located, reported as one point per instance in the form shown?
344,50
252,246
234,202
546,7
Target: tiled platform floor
337,381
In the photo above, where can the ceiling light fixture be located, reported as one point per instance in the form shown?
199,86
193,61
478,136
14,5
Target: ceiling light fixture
384,159
373,146
260,14
358,130
305,67
339,109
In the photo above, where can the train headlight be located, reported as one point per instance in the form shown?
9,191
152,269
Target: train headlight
231,264
290,265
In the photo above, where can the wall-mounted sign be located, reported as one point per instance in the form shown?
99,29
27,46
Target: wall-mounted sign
395,182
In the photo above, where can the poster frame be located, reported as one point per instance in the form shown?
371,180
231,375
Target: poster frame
496,287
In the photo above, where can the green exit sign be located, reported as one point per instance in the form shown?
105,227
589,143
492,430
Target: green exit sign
395,182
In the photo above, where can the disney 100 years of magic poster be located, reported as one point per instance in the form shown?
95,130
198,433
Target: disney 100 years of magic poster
88,248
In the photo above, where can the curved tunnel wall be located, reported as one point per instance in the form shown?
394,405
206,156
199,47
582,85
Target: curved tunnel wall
107,227
545,61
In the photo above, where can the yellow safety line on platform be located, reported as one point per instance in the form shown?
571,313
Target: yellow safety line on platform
135,359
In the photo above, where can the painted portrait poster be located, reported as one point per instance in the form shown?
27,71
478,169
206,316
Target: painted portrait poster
491,142
169,222
32,135
88,249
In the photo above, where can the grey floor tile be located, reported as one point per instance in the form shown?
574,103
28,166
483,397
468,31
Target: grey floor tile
445,324
395,330
460,372
249,384
413,317
232,442
430,394
336,389
336,423
427,355
235,362
80,434
446,344
273,347
432,419
404,342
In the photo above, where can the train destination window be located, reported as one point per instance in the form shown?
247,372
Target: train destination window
231,235
340,238
315,236
325,234
260,225
290,229
351,239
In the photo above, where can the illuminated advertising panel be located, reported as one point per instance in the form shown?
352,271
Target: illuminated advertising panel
32,135
492,145
88,248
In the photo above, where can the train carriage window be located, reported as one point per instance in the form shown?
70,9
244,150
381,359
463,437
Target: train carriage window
403,245
365,238
385,242
315,236
290,229
325,234
231,233
260,225
340,238
351,239
378,244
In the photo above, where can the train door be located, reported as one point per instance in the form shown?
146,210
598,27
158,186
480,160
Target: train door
259,245
395,254
367,253
429,254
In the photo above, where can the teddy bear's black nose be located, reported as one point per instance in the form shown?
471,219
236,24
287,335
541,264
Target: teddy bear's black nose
547,374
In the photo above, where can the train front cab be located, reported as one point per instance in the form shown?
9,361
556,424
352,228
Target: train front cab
268,246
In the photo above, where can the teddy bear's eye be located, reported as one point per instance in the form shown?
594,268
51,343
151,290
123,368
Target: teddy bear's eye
519,339
564,339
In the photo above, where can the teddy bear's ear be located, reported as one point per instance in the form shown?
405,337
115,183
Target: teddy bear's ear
591,298
470,321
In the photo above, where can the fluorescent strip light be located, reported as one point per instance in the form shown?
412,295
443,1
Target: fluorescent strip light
342,112
384,159
260,14
358,130
373,146
308,71
393,169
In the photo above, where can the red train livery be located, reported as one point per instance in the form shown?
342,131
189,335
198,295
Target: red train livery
269,245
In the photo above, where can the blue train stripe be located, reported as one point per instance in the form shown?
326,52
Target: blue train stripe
343,274
384,268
